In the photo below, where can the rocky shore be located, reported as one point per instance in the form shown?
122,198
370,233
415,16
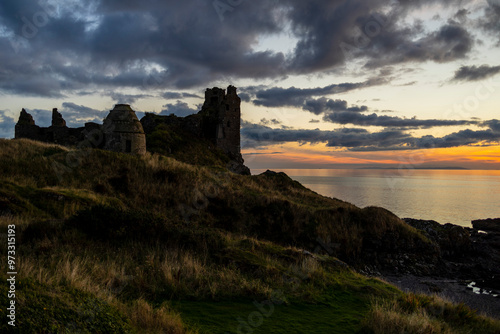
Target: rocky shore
466,267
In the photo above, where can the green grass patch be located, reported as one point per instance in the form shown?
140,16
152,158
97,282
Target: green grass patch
42,308
250,316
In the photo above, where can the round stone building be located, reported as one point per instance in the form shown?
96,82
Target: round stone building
123,131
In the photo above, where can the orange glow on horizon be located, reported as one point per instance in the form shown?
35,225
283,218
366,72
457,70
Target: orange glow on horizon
472,157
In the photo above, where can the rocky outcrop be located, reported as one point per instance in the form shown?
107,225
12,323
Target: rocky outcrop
488,225
452,240
465,253
454,252
468,267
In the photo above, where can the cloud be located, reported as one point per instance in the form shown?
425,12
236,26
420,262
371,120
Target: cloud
72,107
120,98
254,135
7,125
177,95
273,121
493,124
68,46
180,109
77,115
461,15
460,138
475,73
264,153
41,117
323,105
411,83
451,42
358,139
338,111
296,97
346,117
244,97
488,21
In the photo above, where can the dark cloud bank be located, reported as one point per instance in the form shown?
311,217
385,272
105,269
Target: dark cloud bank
475,73
358,139
149,45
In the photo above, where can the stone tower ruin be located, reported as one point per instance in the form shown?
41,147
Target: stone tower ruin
221,119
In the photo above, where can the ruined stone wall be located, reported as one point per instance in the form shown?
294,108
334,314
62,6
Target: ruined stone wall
191,123
26,127
228,132
218,121
57,133
221,115
113,137
134,143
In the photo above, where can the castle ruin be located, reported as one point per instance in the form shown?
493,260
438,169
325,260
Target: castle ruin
57,133
227,113
121,131
218,121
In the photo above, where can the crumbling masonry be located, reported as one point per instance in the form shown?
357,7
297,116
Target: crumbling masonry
218,121
121,131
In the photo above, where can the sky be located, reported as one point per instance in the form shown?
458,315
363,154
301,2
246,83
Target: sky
324,83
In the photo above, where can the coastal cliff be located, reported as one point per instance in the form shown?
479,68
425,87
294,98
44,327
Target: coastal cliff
129,243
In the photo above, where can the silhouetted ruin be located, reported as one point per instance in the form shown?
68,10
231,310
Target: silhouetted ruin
218,121
121,131
57,133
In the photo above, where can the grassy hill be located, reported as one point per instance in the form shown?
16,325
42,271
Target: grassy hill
113,243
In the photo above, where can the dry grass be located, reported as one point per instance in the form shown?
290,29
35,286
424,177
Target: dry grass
273,207
107,275
25,148
106,279
387,318
419,314
161,320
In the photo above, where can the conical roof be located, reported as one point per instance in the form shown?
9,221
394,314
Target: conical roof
122,119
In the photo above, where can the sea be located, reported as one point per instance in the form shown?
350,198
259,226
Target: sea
446,196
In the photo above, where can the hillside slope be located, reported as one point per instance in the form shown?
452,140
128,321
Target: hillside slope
270,206
151,244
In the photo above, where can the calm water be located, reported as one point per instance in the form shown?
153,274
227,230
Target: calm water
447,196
